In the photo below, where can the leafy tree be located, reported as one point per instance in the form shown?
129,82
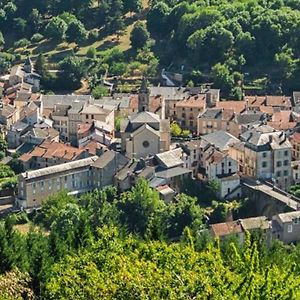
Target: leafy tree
222,78
157,19
2,42
73,70
175,129
76,32
100,91
132,6
56,29
139,35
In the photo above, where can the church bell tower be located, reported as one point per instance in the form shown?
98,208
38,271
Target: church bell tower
144,96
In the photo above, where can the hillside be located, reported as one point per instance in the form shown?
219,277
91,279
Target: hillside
251,44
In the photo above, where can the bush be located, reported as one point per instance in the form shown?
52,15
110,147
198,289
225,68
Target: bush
91,52
100,91
93,35
22,43
37,37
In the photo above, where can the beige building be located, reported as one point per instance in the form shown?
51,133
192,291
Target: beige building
295,142
145,134
265,154
188,110
75,177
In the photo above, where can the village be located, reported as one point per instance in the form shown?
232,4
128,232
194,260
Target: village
77,143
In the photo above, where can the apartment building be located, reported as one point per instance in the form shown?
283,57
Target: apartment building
188,110
295,142
76,177
265,154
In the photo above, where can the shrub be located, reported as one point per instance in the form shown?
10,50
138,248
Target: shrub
37,37
22,43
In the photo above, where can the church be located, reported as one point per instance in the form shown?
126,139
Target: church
144,133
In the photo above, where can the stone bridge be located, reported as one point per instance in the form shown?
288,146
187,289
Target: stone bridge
269,200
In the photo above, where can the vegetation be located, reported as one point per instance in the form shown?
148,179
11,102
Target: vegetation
135,246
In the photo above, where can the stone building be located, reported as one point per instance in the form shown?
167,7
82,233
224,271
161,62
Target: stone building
76,177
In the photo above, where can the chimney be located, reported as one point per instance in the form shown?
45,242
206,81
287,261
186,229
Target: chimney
270,138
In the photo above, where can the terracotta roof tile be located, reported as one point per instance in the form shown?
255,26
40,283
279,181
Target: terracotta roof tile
222,229
236,106
198,101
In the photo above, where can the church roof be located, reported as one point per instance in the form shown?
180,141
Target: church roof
145,117
142,128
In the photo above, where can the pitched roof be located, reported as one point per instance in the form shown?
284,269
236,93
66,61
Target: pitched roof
220,139
289,217
237,106
170,158
144,117
59,168
255,223
145,127
198,101
172,172
223,229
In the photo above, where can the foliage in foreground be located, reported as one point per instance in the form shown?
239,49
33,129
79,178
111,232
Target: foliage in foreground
110,246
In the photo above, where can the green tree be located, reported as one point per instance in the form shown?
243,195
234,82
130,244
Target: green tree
175,129
76,32
100,91
139,35
56,29
132,6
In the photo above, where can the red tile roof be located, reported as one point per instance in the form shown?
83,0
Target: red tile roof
222,229
236,106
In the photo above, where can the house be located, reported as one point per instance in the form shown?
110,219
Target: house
51,153
221,140
296,171
220,167
295,142
76,177
38,134
286,227
15,132
225,230
9,115
187,111
265,154
239,227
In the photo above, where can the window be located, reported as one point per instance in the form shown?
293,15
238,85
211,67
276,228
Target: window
296,175
264,164
286,162
285,173
183,109
146,144
296,221
228,190
42,185
290,228
229,164
264,154
286,153
278,164
92,116
183,115
86,116
278,173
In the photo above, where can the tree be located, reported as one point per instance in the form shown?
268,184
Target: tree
2,42
100,91
73,70
175,129
139,35
133,6
222,78
40,66
140,210
184,212
76,32
157,19
56,29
